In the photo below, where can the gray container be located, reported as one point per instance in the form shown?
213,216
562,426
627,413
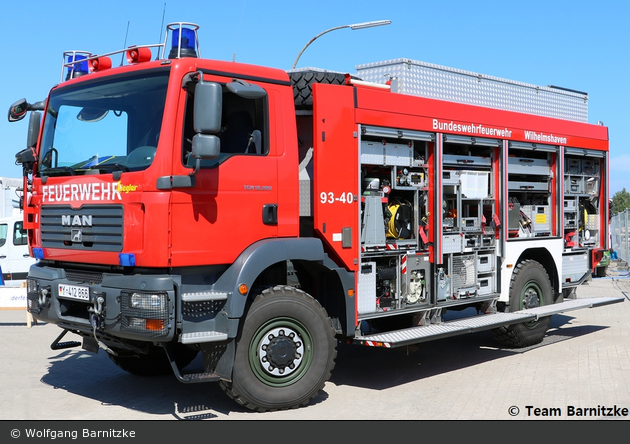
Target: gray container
440,82
520,165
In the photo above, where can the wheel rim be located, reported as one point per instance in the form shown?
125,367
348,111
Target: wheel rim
281,352
531,297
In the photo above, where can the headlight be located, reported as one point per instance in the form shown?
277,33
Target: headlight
146,301
145,313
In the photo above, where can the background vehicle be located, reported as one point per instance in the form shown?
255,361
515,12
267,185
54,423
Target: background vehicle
184,205
15,258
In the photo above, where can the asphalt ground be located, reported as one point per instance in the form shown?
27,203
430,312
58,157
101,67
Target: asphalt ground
582,366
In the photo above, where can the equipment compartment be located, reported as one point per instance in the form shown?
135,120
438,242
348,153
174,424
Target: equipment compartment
590,167
574,185
528,186
485,262
466,161
383,153
522,165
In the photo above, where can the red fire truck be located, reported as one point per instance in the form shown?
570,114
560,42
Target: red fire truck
179,205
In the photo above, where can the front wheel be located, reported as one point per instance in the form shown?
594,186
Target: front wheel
285,352
530,287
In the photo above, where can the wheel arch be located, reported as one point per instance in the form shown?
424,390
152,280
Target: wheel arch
263,264
544,257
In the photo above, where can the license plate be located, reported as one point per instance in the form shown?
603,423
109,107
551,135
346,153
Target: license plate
74,292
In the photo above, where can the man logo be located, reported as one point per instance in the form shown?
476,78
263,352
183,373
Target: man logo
68,220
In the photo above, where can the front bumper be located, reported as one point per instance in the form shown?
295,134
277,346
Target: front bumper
131,306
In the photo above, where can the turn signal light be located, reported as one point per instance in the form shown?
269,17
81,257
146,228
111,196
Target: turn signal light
154,324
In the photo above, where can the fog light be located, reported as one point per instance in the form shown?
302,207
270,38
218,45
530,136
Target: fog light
138,323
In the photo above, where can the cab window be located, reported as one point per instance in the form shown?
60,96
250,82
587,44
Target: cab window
3,234
243,129
19,234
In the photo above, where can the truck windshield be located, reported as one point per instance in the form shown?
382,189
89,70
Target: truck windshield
103,126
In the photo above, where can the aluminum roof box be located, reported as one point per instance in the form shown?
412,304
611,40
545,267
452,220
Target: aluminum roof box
456,85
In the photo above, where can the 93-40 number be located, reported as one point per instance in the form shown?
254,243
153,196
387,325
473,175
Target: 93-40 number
330,197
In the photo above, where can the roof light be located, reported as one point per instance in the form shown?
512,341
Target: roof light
183,40
77,63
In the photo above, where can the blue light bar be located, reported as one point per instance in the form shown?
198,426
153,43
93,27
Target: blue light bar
38,253
127,259
76,68
186,44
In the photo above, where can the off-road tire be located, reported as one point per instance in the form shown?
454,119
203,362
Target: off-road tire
155,362
530,287
284,327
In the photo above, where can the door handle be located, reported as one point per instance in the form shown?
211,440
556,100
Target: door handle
270,214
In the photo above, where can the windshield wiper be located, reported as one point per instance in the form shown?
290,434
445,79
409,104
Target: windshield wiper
111,167
55,170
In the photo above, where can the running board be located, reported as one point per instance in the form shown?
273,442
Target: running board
474,324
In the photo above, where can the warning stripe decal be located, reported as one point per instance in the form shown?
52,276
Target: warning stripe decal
378,344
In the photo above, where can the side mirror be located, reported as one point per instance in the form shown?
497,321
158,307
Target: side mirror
204,146
18,110
208,105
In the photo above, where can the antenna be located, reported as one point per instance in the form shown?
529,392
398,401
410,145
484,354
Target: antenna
122,56
161,29
238,34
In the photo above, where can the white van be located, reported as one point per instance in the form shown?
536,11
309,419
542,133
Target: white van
15,259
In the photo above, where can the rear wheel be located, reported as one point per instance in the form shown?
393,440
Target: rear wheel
285,352
530,287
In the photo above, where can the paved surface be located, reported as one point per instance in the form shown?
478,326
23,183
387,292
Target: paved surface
584,362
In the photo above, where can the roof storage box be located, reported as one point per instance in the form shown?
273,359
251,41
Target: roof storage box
456,85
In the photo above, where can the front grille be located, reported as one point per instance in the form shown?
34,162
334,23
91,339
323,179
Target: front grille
84,276
91,227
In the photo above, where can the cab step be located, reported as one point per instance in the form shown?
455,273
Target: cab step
474,324
190,378
57,345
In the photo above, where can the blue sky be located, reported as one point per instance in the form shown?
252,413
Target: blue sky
582,45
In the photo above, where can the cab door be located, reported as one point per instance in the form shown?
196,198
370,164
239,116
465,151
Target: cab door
234,201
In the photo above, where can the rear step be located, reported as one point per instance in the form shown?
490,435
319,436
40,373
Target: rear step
474,324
